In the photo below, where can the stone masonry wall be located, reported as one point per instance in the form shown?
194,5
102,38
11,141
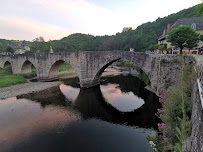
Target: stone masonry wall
195,142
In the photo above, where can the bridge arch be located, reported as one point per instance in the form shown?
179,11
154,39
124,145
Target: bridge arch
98,75
7,64
53,72
27,67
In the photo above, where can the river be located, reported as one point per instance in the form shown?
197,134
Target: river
117,116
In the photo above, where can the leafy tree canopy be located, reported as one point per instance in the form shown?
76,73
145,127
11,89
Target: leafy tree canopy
183,36
9,49
1,48
37,44
200,9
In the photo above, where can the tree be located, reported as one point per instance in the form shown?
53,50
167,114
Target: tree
37,43
183,36
200,9
9,49
1,48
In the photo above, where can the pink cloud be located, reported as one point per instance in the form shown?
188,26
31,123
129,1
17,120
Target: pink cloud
18,28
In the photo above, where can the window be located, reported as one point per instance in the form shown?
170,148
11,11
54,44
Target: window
193,26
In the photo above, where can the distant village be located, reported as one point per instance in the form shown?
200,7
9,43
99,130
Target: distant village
18,47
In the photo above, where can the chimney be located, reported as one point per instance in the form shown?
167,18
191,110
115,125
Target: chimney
168,27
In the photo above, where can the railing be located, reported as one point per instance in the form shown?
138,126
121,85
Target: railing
200,92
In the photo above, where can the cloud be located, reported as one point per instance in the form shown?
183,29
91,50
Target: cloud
54,19
85,16
18,28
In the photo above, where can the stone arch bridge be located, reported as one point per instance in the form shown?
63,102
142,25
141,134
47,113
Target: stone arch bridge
89,65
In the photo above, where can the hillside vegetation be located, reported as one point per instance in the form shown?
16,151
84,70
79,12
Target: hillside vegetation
141,39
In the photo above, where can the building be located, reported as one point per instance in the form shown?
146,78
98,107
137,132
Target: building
195,22
20,48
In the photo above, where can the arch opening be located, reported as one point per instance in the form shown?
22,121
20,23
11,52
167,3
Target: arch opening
61,70
126,67
99,73
7,64
29,71
28,67
135,70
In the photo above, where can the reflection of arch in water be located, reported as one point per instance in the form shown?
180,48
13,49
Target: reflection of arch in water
54,70
91,104
51,96
27,67
7,64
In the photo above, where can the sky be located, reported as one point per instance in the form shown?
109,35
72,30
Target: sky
55,19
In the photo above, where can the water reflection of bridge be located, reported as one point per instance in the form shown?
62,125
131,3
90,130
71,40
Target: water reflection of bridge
92,104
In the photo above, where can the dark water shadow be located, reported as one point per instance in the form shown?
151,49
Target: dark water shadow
92,104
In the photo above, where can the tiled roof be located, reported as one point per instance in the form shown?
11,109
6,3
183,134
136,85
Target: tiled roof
189,21
195,22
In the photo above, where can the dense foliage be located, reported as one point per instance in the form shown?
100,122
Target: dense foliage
9,49
1,48
141,39
200,9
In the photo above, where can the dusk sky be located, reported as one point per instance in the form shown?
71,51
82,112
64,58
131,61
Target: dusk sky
54,19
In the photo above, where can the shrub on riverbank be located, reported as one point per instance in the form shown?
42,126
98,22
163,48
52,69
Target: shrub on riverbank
176,113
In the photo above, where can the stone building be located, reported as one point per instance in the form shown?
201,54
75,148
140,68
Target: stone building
20,48
196,23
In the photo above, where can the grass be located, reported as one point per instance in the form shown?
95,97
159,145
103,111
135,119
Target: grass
30,75
67,74
8,79
65,67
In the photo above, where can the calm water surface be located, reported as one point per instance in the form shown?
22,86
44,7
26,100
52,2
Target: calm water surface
116,116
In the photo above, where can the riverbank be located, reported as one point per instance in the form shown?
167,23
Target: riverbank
26,88
19,89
